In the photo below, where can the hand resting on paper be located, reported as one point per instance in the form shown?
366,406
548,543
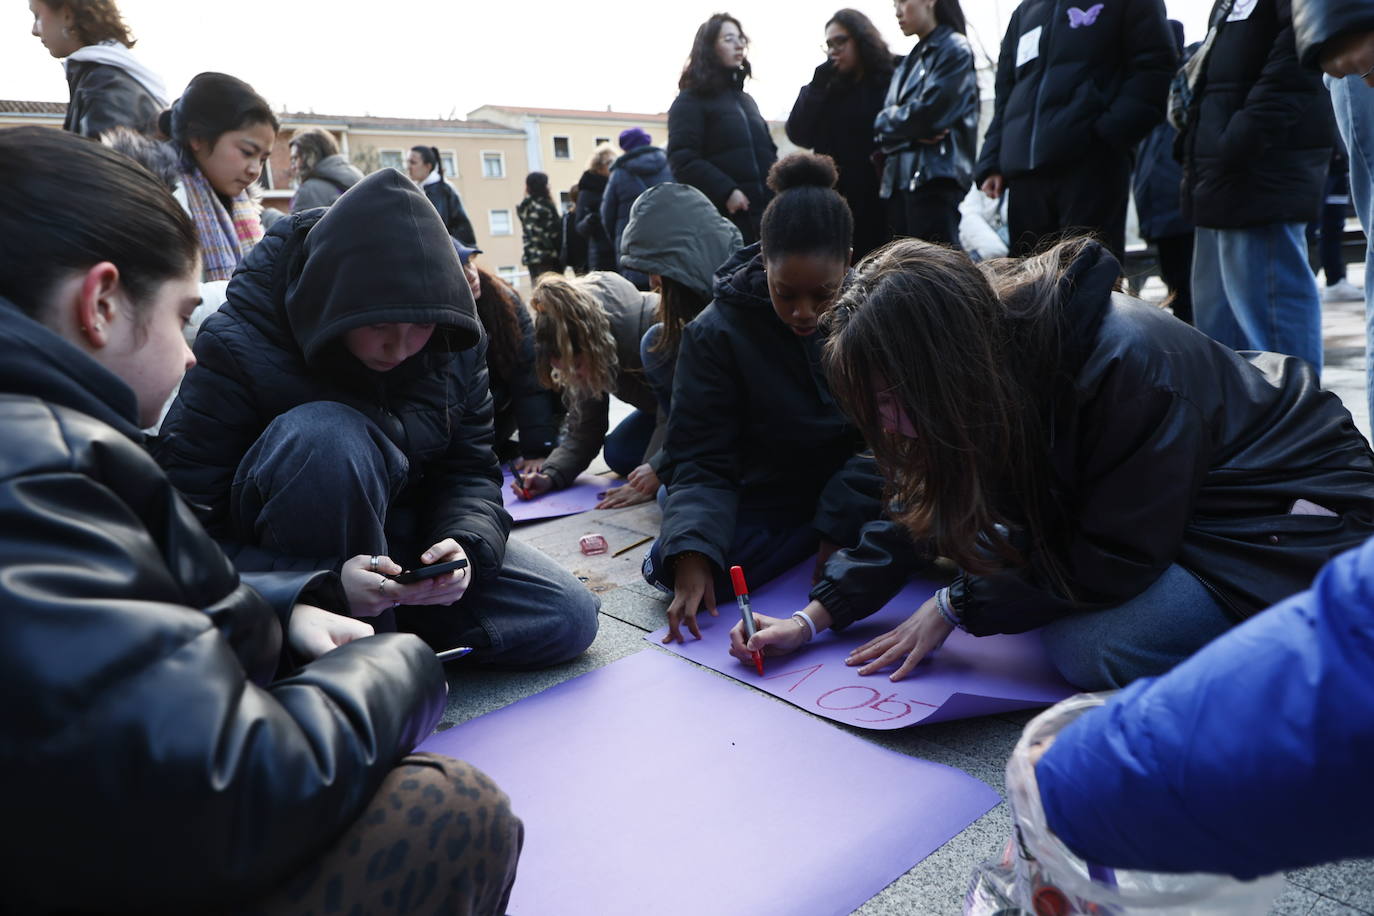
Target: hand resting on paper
528,465
912,640
692,588
777,635
622,496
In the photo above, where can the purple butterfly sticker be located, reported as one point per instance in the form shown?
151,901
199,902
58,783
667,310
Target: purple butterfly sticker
1081,18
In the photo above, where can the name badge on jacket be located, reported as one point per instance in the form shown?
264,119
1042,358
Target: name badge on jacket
1028,48
1242,10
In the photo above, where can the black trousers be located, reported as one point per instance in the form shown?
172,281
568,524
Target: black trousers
1176,270
931,212
1086,197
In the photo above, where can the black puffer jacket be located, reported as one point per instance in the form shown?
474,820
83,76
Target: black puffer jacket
591,189
717,143
631,175
1316,22
450,207
377,255
754,424
142,672
934,90
104,97
1166,447
1097,83
834,116
1259,134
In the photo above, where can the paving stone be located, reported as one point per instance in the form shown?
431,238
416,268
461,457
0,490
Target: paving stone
1350,882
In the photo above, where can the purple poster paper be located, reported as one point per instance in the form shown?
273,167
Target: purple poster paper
584,494
968,676
651,786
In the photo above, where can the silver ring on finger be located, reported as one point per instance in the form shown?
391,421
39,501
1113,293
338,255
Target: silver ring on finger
374,563
381,584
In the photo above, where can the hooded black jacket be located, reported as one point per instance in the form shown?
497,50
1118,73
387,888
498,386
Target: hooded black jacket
1166,447
104,97
141,672
754,424
1258,140
718,142
591,189
1093,87
378,255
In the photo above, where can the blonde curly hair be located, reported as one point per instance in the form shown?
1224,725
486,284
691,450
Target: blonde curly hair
569,323
95,21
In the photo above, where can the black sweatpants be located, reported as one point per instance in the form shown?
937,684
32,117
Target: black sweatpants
1086,197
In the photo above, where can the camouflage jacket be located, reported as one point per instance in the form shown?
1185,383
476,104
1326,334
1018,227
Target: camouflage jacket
542,228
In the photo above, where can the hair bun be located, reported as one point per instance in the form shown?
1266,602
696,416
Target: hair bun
802,170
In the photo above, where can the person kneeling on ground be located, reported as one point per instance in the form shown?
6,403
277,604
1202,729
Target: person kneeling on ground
184,739
1093,466
339,417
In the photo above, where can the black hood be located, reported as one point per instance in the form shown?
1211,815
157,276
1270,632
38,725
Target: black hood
380,254
38,363
1085,292
742,281
592,181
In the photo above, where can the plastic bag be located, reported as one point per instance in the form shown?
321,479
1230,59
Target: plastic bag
1037,875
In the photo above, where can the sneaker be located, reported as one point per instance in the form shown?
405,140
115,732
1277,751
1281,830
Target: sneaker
1342,291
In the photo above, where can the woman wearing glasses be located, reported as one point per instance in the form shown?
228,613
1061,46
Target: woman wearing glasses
718,142
834,115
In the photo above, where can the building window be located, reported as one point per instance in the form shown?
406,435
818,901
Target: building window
499,222
565,200
449,159
510,274
601,140
393,159
562,147
493,165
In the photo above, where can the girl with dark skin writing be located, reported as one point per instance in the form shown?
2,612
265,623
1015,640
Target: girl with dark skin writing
1094,467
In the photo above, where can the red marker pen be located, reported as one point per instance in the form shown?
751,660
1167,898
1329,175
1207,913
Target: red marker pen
742,596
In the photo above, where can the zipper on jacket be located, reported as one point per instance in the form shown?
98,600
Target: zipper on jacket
1044,72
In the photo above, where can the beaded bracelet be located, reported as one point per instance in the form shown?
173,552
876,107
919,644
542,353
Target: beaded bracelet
942,605
807,621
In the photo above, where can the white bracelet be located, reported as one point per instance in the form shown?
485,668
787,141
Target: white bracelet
806,619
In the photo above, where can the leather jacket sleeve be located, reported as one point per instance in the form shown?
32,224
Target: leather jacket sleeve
108,98
150,716
852,498
948,90
1153,441
1317,22
859,580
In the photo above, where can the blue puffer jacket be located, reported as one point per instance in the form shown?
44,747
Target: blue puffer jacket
631,175
1251,757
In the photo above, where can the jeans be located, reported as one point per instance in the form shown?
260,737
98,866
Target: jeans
1144,637
323,480
625,445
1353,102
1254,290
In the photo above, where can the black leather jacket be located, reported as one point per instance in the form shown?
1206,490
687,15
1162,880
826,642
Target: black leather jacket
1166,447
1316,22
104,97
151,734
450,207
934,90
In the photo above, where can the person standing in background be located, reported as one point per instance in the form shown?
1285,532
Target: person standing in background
572,251
717,141
1076,91
323,173
109,86
834,114
426,168
927,128
1256,141
591,190
1327,230
541,228
642,167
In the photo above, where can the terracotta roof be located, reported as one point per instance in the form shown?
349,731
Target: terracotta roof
661,117
8,106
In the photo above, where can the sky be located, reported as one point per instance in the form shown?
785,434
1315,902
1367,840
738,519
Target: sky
444,59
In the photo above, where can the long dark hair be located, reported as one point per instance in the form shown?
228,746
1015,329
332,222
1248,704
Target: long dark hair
703,71
678,304
68,203
429,155
212,105
874,54
969,353
950,13
499,309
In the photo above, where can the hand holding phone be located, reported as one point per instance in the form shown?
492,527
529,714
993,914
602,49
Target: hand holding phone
428,572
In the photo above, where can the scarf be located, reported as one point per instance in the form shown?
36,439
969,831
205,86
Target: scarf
225,237
115,54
